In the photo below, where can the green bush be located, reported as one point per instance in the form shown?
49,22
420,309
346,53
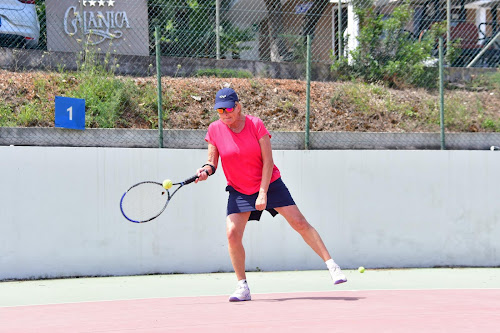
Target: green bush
7,117
491,125
388,53
40,11
187,29
224,73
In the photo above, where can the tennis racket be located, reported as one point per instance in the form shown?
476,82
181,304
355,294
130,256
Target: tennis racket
145,201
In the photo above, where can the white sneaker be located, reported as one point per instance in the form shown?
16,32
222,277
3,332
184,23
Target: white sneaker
242,293
337,275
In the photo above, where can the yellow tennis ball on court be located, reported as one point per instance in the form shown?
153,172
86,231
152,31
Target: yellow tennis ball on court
361,269
167,183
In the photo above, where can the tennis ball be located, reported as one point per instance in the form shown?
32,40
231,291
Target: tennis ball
167,183
361,269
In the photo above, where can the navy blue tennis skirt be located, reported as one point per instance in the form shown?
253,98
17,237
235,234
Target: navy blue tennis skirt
277,196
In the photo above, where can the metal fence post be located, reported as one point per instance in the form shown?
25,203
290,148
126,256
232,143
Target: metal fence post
483,51
158,75
340,29
308,90
448,28
217,28
441,92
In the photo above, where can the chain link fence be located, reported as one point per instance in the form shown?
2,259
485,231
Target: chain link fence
384,52
266,30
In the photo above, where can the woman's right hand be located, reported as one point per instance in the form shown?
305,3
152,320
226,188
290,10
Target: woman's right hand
202,175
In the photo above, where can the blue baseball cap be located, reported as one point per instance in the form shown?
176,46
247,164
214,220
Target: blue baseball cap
225,98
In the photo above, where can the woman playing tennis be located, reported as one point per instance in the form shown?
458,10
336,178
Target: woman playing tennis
254,184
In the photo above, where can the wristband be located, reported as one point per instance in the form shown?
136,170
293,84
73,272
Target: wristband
211,166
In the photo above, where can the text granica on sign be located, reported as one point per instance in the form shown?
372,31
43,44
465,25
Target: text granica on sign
98,21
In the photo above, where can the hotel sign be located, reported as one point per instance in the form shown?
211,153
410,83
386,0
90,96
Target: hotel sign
115,26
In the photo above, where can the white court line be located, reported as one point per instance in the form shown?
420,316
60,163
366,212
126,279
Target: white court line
220,295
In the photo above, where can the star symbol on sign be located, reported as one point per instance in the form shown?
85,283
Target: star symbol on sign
111,3
102,3
92,3
84,3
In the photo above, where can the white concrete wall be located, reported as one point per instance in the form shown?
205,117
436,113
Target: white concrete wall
60,212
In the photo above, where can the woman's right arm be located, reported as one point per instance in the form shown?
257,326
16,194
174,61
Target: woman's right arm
213,159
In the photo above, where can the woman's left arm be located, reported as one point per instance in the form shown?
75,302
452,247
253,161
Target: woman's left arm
267,171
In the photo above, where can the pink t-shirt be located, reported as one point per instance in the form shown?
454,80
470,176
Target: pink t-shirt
240,153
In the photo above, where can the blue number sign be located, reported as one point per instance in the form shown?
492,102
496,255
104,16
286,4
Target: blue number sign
70,113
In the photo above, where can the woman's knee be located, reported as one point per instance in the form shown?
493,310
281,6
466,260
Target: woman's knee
235,228
300,224
233,234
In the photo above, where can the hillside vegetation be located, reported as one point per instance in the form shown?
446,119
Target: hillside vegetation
27,100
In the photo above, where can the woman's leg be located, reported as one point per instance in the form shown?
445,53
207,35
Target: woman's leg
235,227
299,223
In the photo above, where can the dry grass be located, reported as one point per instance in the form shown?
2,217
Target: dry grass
27,99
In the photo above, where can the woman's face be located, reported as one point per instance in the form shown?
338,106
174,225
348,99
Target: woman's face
230,118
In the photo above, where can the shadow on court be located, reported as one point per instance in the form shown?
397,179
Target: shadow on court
350,299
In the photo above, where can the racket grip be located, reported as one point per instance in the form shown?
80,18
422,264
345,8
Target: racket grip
190,180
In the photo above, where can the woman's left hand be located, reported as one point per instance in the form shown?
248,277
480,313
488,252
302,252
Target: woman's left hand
261,202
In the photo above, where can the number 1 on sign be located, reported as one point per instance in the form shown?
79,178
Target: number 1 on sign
70,110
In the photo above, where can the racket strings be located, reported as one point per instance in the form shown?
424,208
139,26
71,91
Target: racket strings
145,201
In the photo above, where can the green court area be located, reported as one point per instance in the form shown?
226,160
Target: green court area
96,289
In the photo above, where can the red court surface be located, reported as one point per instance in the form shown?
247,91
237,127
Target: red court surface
458,310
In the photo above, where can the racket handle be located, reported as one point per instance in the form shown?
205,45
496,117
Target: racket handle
190,180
